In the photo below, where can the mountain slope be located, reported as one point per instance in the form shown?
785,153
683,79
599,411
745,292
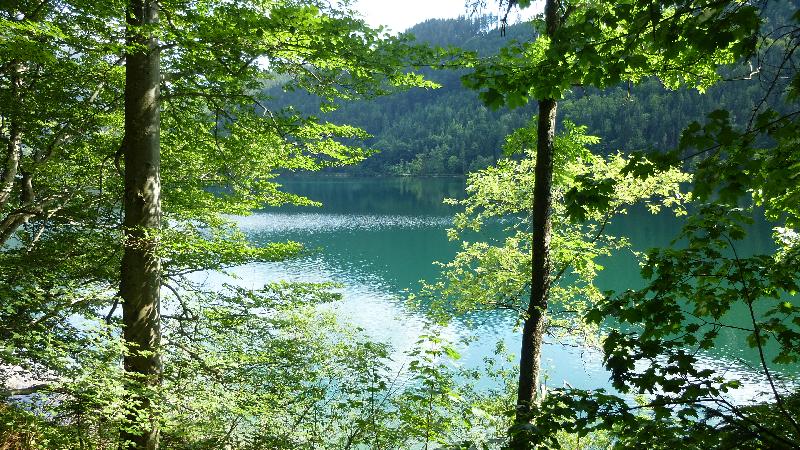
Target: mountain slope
449,131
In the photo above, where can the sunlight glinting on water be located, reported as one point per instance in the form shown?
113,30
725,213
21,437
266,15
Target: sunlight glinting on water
319,222
365,304
377,257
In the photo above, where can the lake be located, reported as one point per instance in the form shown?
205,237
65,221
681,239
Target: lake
379,236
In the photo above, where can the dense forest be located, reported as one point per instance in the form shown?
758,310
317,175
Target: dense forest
450,131
142,142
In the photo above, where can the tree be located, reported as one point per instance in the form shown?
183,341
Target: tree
492,275
63,116
140,279
598,44
533,329
693,292
221,142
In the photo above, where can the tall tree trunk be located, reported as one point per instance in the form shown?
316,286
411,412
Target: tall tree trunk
11,221
13,151
141,267
534,327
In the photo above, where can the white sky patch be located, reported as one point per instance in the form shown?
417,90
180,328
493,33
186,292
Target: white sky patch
399,15
403,14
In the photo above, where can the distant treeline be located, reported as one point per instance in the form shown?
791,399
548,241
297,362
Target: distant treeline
448,131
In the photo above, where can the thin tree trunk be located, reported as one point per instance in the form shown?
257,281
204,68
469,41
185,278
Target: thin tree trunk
13,154
535,323
141,267
534,326
13,149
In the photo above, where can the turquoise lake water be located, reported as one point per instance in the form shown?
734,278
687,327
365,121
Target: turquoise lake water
378,237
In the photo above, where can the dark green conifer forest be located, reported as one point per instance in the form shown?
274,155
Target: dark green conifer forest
449,131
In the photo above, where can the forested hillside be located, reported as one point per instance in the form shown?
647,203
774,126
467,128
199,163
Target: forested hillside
450,131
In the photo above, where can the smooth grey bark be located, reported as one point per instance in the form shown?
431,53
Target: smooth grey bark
541,226
140,283
13,147
11,166
15,214
26,210
13,219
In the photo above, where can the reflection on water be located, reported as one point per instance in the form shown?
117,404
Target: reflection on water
271,224
379,237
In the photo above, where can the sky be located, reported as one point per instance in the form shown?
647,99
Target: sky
400,15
